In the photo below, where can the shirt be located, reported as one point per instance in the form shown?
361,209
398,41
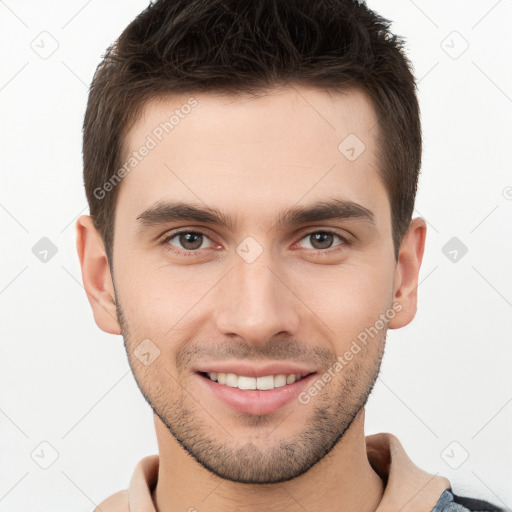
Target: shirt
407,487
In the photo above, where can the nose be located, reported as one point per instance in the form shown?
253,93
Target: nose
255,302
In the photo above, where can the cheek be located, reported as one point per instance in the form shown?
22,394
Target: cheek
159,298
349,299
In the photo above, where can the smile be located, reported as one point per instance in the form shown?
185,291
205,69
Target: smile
254,395
244,382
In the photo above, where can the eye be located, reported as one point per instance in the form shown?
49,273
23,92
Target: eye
322,240
187,241
191,242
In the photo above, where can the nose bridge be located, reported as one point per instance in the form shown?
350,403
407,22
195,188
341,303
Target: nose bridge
254,303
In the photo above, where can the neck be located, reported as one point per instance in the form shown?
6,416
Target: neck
344,477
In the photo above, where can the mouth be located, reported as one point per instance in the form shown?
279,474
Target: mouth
263,383
255,395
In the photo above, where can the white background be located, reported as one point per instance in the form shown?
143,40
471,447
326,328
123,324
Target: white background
445,377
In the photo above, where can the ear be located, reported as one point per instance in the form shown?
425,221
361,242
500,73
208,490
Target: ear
96,275
407,271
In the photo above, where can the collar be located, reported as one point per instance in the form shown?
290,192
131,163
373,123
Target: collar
407,487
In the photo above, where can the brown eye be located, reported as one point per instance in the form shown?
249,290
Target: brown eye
321,240
184,242
191,241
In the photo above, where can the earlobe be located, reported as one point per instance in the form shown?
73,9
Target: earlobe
407,272
96,275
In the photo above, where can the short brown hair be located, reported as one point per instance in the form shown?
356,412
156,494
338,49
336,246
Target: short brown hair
241,46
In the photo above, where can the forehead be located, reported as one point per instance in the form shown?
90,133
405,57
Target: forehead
275,150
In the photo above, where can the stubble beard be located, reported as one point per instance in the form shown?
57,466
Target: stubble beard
264,459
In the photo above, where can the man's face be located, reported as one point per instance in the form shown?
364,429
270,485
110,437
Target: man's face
265,288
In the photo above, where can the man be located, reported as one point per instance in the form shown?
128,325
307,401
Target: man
251,169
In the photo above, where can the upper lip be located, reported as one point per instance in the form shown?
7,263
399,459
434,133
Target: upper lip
251,370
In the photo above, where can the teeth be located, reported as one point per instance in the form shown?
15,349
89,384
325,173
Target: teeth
280,381
291,379
231,380
244,382
266,383
261,383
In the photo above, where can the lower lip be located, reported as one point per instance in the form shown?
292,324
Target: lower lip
256,401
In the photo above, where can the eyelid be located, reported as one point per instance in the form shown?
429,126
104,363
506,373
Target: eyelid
169,235
331,231
165,238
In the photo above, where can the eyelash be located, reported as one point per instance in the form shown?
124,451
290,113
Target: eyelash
316,252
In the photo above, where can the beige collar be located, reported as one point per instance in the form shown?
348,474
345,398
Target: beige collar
408,488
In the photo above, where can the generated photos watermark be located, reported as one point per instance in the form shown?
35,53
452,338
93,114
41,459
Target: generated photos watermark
151,142
355,348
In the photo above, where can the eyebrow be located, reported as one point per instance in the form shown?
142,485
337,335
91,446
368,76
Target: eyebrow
164,212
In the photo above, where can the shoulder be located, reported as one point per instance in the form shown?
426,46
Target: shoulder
118,502
450,502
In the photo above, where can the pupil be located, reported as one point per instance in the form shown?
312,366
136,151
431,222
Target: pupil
321,240
191,240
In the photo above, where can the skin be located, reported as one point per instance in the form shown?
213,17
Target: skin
252,158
